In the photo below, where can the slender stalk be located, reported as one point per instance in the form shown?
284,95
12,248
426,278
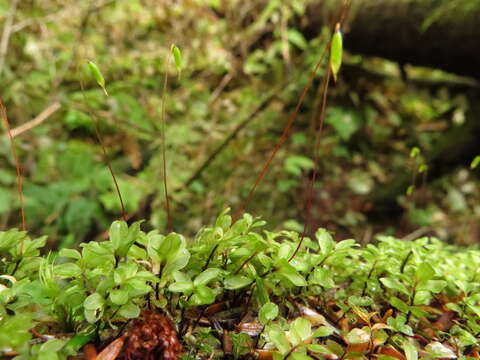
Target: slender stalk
164,152
311,184
104,150
283,137
4,116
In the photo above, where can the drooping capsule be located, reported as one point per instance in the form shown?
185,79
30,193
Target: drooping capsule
336,51
97,75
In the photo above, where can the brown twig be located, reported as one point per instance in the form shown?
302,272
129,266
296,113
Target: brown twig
221,86
4,116
7,32
40,118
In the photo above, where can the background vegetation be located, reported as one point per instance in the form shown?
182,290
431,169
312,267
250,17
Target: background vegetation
398,156
239,57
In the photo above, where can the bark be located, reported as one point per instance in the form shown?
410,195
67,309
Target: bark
392,29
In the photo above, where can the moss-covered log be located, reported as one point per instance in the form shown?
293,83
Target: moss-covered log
397,30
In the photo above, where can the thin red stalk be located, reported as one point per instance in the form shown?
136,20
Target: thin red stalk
164,155
341,19
310,188
283,137
17,165
311,184
104,151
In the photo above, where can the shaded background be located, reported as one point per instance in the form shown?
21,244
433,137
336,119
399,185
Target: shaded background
409,80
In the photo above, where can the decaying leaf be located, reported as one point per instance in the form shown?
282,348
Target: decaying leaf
112,351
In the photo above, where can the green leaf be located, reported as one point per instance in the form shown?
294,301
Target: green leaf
422,297
345,121
325,240
323,331
336,52
132,235
319,349
207,276
92,316
438,350
203,295
261,291
394,284
97,75
181,286
169,246
279,339
94,301
295,164
124,272
129,311
399,304
68,270
410,350
177,263
358,336
360,301
118,232
77,342
268,312
293,276
302,328
236,282
296,38
475,162
424,272
50,349
118,297
137,287
434,286
69,254
14,330
323,277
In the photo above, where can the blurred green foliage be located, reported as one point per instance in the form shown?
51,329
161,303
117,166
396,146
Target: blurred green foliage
233,54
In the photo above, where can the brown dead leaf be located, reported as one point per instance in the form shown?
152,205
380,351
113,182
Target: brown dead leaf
132,149
387,314
359,348
313,316
90,352
445,321
474,354
253,328
215,308
113,349
264,354
227,343
344,325
391,351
